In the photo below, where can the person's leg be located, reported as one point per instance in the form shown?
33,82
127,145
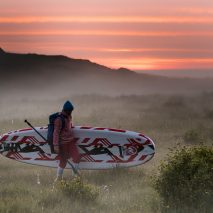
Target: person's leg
60,172
62,161
75,155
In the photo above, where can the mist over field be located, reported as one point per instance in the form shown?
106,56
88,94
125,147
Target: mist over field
190,73
165,109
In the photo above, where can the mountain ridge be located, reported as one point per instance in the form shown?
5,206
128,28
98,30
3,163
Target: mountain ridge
59,74
19,58
1,51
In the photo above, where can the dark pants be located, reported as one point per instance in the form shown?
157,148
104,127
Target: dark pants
67,151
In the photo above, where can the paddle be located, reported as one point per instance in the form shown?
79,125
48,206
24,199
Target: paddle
35,130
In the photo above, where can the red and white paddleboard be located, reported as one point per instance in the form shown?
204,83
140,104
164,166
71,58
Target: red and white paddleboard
101,148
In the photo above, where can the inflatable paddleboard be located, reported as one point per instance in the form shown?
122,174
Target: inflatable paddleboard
101,148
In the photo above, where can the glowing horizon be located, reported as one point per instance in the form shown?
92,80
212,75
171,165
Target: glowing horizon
143,35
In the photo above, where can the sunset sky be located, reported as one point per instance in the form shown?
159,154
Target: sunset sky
136,34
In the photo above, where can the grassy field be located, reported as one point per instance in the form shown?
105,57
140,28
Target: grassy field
167,119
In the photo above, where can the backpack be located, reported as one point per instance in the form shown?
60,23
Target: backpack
50,131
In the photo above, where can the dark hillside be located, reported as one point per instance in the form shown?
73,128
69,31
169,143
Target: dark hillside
33,72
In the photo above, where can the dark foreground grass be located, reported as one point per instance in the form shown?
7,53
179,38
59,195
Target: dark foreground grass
33,190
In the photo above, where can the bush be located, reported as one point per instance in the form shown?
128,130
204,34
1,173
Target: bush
76,189
185,180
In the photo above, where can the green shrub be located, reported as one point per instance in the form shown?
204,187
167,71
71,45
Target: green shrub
77,189
185,180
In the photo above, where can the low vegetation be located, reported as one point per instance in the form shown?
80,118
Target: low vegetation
185,180
167,119
77,189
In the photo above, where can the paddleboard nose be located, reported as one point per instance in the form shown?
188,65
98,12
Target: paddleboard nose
148,144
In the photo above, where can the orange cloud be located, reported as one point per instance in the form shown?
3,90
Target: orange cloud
107,19
107,33
158,63
154,50
195,11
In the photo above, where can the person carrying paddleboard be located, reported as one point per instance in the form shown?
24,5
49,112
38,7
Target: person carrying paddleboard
63,142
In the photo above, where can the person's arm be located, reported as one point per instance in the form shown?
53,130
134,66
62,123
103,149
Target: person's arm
56,134
71,122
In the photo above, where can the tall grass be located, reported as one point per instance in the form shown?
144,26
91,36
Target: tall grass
166,119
